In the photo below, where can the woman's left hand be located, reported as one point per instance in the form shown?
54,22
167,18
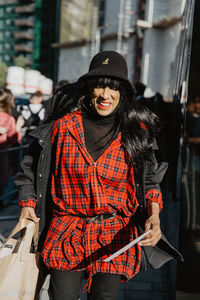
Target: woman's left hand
3,130
153,223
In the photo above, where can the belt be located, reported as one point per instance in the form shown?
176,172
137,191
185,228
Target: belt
102,217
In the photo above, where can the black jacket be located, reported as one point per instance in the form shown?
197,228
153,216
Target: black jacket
33,182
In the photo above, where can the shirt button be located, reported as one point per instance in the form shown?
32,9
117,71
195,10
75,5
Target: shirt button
137,184
40,175
40,195
41,141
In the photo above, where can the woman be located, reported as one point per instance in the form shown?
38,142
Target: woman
82,170
8,137
8,132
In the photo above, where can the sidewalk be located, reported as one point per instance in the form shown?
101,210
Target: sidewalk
186,296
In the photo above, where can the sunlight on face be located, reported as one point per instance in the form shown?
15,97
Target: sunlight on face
105,100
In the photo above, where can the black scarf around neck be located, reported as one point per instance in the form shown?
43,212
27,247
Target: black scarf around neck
99,131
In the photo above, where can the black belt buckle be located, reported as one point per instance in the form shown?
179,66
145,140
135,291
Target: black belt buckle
102,217
92,219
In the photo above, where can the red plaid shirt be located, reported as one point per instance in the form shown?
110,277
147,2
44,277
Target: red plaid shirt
82,188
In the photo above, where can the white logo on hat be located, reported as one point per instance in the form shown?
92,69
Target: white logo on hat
105,62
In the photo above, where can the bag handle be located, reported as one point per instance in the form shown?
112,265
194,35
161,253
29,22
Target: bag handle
31,233
23,223
27,238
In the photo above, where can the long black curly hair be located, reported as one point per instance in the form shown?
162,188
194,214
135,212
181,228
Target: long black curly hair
138,125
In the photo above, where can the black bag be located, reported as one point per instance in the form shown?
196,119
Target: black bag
158,255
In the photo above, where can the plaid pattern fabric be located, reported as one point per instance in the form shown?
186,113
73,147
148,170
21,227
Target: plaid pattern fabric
154,195
82,188
28,202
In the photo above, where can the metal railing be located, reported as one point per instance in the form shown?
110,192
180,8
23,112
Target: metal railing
20,150
9,192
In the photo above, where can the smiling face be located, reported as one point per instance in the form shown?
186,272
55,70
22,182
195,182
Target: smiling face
105,100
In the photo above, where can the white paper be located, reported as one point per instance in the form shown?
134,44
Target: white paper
128,246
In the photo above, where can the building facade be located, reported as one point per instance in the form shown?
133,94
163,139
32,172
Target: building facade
28,28
111,27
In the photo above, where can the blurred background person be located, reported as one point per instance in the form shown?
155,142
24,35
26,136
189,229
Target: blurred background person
192,161
13,108
14,112
193,124
14,154
33,114
8,137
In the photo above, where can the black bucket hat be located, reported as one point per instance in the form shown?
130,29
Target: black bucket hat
109,64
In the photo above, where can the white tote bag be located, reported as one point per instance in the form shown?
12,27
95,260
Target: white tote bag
19,268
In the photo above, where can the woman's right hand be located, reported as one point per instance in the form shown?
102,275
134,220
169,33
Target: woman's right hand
29,212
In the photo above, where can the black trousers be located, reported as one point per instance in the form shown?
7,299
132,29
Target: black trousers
65,285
